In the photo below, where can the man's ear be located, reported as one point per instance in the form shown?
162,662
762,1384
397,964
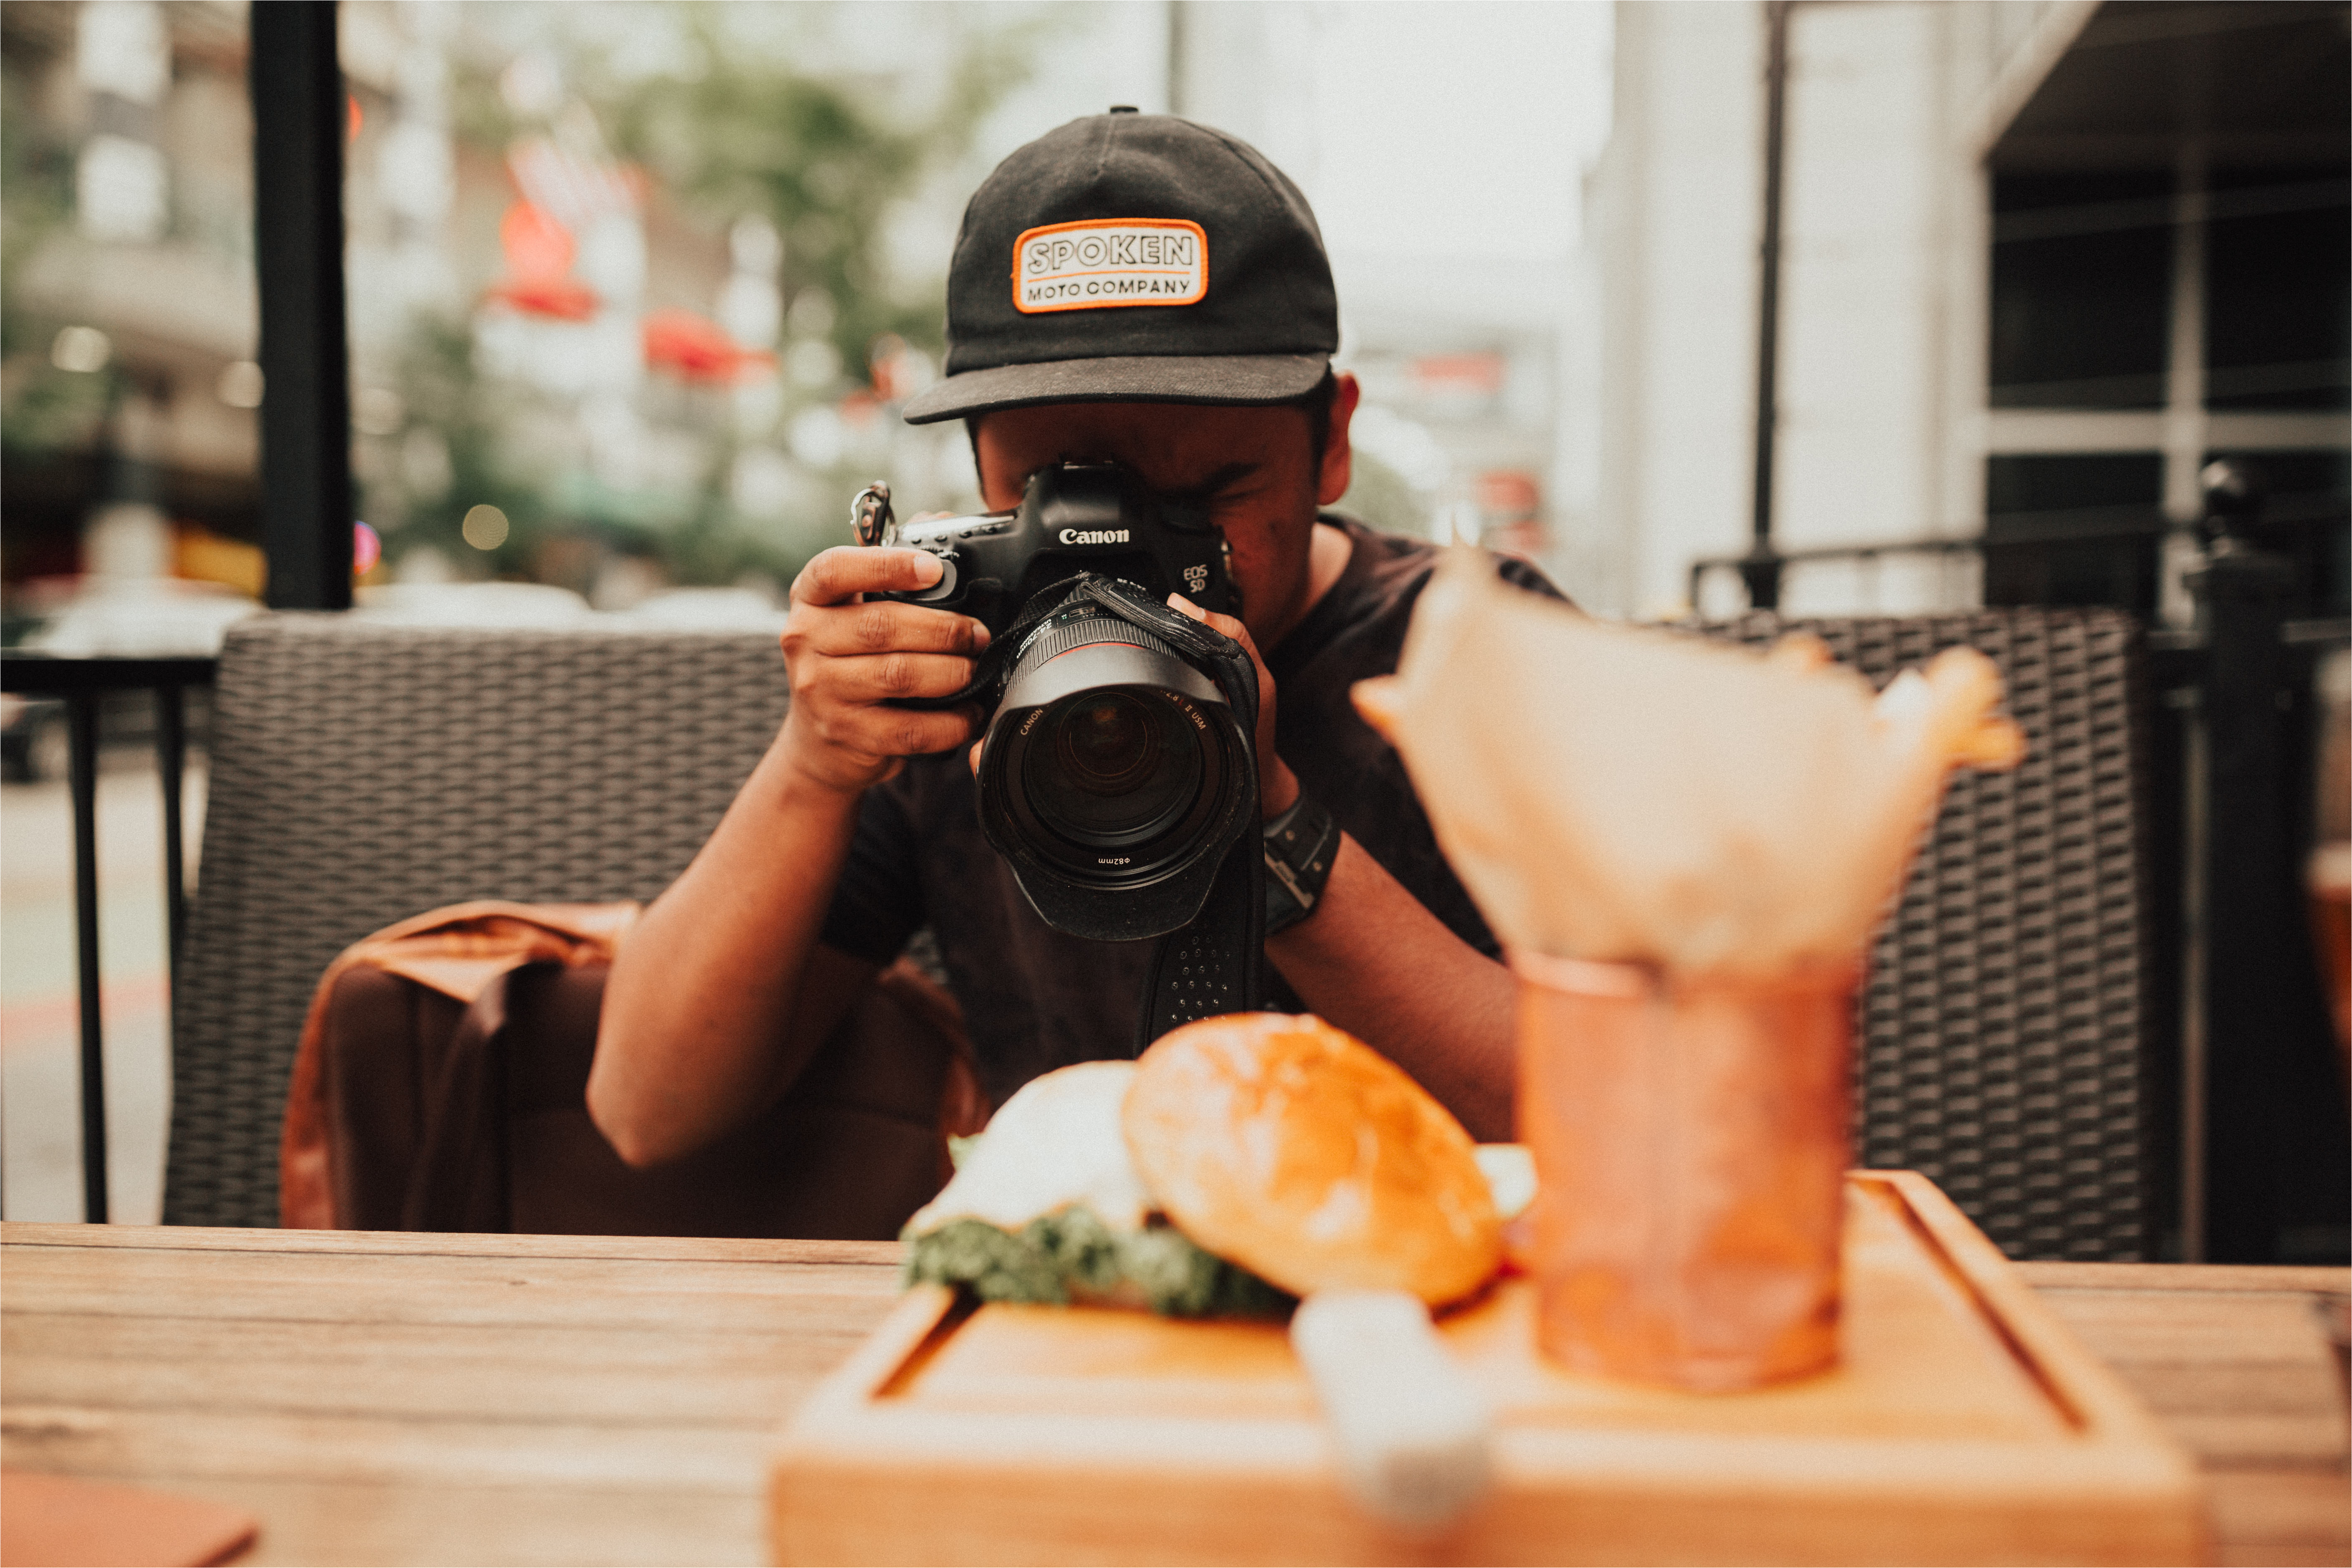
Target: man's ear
1338,457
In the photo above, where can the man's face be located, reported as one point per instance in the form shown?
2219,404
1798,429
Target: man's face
1254,467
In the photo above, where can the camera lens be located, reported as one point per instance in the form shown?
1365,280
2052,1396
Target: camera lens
1116,778
1112,767
1105,742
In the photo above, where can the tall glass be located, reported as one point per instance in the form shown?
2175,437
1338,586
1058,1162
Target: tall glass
1690,1145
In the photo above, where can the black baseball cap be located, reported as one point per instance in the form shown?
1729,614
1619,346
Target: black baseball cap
1132,258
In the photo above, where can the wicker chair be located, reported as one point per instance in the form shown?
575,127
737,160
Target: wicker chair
362,772
2004,1018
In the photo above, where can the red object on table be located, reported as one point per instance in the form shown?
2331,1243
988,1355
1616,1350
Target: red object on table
59,1522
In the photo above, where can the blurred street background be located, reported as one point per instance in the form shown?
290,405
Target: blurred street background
634,291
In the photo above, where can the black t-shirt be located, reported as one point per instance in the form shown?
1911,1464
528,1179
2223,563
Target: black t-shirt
1036,999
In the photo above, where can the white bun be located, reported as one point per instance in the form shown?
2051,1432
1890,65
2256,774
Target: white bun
1301,1154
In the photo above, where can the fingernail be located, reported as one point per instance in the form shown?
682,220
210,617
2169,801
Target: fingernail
927,568
1188,607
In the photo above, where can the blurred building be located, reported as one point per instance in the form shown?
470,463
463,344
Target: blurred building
2040,266
2040,263
1445,150
127,312
632,289
622,302
628,303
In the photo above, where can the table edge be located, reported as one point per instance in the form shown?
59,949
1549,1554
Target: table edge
462,1244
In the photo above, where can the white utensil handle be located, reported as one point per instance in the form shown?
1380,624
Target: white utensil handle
1410,1430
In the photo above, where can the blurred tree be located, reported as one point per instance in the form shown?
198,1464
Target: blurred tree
43,410
454,453
821,159
1381,496
730,127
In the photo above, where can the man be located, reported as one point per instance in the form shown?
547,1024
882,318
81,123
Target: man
1140,289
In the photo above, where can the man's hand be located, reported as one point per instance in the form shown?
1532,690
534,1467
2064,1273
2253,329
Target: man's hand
1277,787
848,659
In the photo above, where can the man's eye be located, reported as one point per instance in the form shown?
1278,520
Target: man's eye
1229,486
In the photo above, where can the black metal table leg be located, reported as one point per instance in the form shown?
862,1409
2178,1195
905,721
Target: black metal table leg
82,730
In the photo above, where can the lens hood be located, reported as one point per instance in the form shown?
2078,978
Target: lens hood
1115,776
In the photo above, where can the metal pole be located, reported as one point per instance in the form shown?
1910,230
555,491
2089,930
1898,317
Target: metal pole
2246,895
81,733
1176,47
298,218
1761,568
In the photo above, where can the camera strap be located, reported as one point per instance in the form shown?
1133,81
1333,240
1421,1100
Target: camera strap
1203,645
1216,963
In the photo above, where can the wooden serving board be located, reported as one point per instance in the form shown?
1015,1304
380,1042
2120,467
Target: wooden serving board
1964,1425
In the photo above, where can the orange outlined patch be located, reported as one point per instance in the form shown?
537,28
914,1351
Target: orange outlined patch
1100,263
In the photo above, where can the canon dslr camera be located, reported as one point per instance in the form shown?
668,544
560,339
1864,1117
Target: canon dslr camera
1116,775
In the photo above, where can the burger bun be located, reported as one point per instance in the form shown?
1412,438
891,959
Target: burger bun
1297,1152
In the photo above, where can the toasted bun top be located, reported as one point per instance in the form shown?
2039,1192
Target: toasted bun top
1299,1152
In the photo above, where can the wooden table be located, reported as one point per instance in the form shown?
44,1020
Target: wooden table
395,1399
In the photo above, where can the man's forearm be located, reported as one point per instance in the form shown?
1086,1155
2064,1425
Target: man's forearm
708,1012
1371,959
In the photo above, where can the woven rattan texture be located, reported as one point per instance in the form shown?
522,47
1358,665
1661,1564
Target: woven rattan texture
2001,1019
361,773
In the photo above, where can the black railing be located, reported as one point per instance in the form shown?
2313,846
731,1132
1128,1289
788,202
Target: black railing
83,684
2039,531
2244,1082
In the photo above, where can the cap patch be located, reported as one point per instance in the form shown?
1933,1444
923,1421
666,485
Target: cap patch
1102,262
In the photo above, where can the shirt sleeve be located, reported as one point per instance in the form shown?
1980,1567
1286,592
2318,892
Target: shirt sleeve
878,903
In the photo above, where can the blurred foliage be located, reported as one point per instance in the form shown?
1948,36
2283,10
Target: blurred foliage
1384,498
822,157
728,128
473,441
454,454
731,110
819,163
36,162
42,408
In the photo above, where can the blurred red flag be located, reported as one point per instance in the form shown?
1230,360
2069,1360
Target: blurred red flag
697,348
538,252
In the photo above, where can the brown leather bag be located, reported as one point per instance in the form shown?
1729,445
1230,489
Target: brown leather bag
441,1079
